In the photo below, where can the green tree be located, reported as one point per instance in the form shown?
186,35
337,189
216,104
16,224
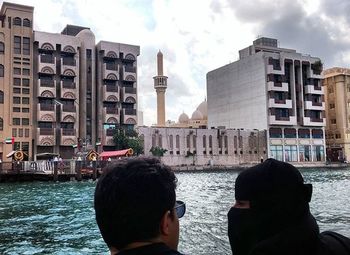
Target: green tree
158,151
125,139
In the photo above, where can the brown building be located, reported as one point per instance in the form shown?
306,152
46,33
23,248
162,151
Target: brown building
61,91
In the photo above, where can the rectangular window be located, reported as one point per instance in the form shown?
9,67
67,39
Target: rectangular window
276,152
304,153
331,106
17,45
25,71
25,100
25,91
25,121
25,109
14,132
290,153
16,70
20,132
16,100
16,109
17,146
16,121
16,91
333,121
318,153
348,88
25,146
25,82
16,81
26,46
26,132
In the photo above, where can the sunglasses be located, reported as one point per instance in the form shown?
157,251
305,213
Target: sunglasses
180,208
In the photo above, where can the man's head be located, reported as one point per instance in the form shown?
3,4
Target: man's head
270,197
134,203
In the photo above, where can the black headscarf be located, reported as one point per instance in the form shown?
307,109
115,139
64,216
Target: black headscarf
278,206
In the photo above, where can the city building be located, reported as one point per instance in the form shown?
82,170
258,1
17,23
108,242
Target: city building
274,89
336,83
200,147
62,92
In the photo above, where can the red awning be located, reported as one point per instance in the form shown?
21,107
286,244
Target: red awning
110,154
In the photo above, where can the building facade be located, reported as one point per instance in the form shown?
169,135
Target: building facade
275,89
62,91
193,146
337,97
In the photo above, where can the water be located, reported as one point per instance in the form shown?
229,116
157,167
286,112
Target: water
58,218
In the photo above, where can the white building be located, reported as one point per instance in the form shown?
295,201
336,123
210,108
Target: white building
275,89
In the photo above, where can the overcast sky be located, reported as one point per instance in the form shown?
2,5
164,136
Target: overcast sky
197,36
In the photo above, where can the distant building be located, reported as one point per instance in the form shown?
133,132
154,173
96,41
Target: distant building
193,146
274,89
337,96
62,90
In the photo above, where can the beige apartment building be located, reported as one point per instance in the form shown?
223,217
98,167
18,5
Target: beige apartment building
337,96
61,92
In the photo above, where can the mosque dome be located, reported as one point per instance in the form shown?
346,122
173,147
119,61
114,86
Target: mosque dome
197,115
183,118
203,108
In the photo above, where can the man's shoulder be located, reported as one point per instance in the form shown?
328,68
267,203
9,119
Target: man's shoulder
335,243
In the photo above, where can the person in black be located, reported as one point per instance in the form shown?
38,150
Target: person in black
271,215
136,208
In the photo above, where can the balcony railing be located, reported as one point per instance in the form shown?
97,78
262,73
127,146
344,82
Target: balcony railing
46,131
68,62
130,90
47,107
130,69
68,85
112,88
130,111
111,110
282,118
69,108
68,132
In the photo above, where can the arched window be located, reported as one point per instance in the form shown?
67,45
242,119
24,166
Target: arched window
160,144
26,23
17,21
1,124
2,48
204,141
188,141
1,71
194,141
226,141
153,140
1,97
210,141
177,142
171,142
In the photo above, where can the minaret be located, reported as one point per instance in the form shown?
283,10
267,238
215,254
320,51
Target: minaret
160,84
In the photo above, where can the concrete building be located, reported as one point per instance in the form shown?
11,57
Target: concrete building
193,146
66,91
337,97
274,89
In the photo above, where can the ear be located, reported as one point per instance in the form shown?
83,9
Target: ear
164,224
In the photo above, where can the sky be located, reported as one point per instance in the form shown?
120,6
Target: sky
197,36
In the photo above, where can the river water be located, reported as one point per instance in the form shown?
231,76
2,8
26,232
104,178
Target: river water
58,218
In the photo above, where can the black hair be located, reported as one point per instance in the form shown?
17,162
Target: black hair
130,199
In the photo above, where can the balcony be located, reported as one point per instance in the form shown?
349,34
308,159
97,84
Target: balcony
111,73
318,106
277,86
44,86
130,94
68,137
46,112
274,103
129,116
110,93
68,64
271,70
68,113
44,61
107,138
307,121
129,71
111,115
68,87
312,89
274,120
46,137
311,74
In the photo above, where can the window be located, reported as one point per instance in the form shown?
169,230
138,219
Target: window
16,81
25,71
14,132
25,146
16,100
26,46
17,45
290,153
210,141
25,109
276,152
25,91
348,88
1,97
26,22
290,133
17,146
318,152
304,152
20,132
16,109
25,121
171,142
177,142
337,136
1,71
17,21
331,106
16,121
275,133
333,121
25,82
26,132
304,133
317,133
2,48
16,70
204,141
16,91
1,124
25,100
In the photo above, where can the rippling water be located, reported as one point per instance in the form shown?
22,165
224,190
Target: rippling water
58,218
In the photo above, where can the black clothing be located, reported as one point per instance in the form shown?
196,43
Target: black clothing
152,249
278,220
